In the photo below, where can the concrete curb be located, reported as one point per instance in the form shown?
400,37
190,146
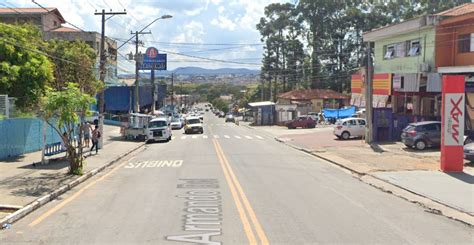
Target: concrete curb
20,213
434,207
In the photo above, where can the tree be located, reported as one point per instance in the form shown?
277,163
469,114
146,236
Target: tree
75,63
25,70
60,110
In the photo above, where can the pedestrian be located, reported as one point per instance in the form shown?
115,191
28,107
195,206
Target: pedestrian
86,128
95,139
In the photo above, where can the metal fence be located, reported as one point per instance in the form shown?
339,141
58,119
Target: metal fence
7,106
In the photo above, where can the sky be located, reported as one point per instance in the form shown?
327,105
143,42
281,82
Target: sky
215,29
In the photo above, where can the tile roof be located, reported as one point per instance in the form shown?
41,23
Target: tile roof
32,11
459,10
26,10
65,29
310,94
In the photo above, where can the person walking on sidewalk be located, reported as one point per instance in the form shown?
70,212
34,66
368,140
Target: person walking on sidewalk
95,139
86,128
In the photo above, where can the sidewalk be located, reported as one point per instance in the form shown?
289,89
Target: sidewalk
413,171
21,182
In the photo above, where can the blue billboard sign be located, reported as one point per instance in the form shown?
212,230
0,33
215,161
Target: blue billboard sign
152,60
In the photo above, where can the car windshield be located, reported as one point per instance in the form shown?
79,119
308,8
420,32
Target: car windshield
176,120
157,124
193,121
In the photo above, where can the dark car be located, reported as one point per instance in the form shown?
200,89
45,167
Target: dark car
302,122
422,135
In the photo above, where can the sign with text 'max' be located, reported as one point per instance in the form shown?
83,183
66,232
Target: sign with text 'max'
153,60
452,120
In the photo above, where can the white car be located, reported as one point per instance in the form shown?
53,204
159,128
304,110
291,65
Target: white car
176,123
193,125
158,130
350,127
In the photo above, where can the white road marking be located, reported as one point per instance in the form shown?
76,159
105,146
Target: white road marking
173,137
194,136
259,137
183,137
216,136
227,136
237,137
248,137
204,136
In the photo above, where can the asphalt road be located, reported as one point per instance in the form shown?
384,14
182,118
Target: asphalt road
232,185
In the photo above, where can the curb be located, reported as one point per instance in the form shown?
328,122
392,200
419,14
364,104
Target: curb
22,212
318,156
467,221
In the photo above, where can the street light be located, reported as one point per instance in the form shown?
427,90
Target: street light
166,16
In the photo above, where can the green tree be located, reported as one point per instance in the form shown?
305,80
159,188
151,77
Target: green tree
75,63
24,69
60,109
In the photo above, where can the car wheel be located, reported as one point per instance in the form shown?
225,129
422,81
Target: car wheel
420,145
345,135
202,131
312,126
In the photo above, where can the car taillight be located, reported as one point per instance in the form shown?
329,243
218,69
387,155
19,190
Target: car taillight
339,127
412,133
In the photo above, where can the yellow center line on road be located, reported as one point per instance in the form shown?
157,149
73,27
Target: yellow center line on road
226,167
238,204
235,186
74,196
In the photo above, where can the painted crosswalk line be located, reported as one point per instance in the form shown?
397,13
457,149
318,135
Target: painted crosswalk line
259,137
237,137
216,136
204,137
194,136
248,137
227,136
183,137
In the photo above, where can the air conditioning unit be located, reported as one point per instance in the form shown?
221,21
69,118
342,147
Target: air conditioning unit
425,67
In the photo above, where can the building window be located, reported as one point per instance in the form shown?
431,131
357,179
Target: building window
55,23
466,43
389,51
414,47
400,50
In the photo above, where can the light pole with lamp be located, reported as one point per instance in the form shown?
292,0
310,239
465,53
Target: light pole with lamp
136,95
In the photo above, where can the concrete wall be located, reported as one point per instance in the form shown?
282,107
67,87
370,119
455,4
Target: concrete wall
22,135
410,64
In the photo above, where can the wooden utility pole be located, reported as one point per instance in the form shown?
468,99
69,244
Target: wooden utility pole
103,60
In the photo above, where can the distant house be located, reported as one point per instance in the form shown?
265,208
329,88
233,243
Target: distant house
50,20
300,102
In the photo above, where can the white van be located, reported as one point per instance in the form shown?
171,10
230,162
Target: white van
158,130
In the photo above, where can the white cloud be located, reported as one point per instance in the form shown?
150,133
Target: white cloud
224,23
190,33
221,9
216,2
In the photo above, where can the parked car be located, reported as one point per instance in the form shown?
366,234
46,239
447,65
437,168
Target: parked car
229,118
193,125
421,135
469,152
301,122
349,127
176,123
158,130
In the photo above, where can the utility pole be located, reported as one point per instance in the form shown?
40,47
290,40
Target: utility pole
153,91
136,107
369,96
172,90
102,71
